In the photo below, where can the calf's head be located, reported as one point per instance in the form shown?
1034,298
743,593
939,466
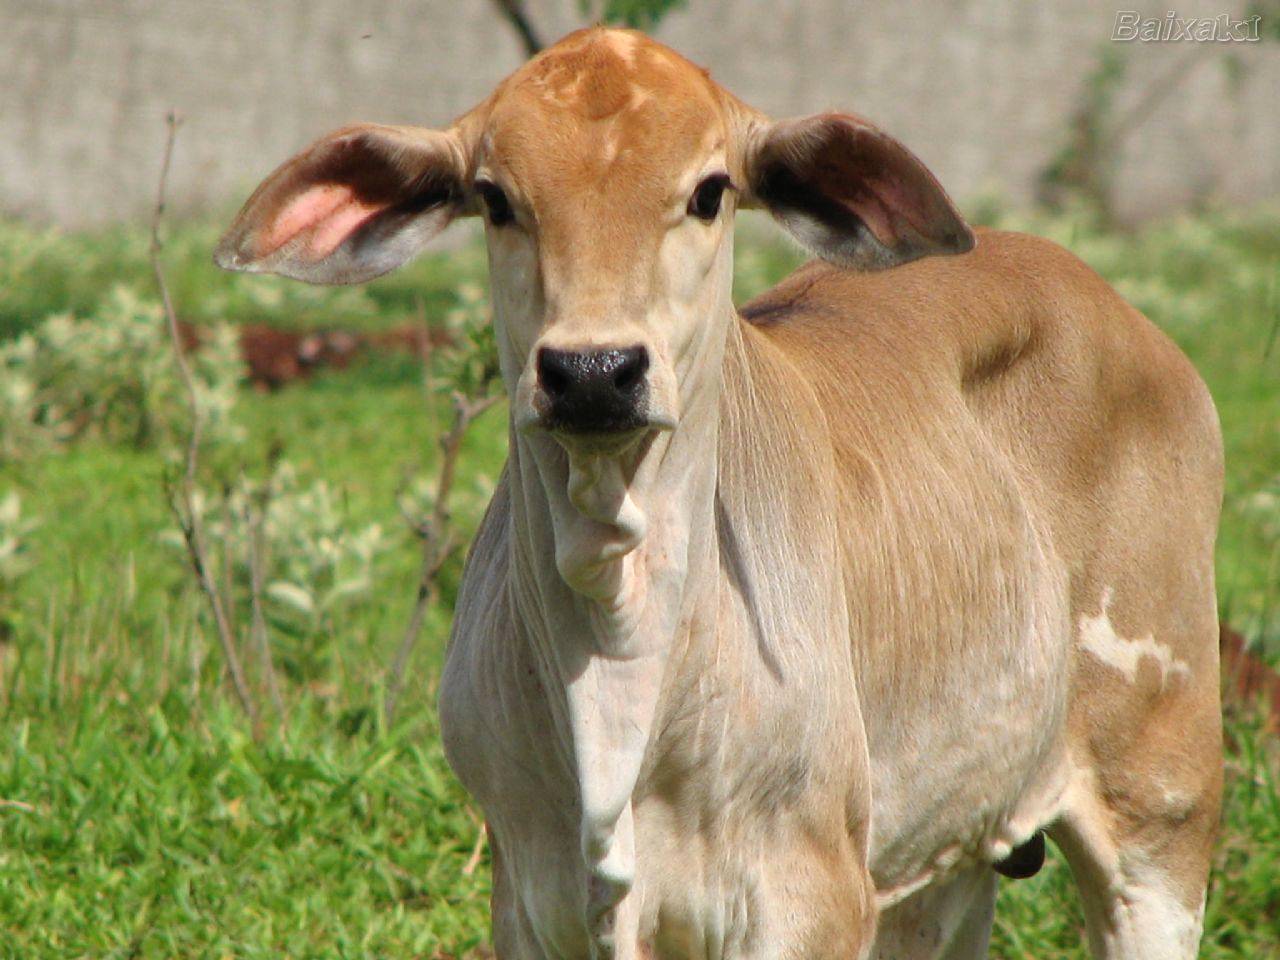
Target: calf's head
608,170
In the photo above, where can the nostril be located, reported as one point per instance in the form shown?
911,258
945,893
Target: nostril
553,372
625,379
634,365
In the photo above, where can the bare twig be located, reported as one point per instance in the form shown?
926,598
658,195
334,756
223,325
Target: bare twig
182,495
422,350
1160,88
515,14
477,852
437,539
227,559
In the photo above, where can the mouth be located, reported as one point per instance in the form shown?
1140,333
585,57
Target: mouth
596,422
611,445
599,436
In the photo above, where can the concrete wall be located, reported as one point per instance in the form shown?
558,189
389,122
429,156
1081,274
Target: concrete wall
982,89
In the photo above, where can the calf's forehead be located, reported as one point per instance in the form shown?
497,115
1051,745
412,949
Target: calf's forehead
604,113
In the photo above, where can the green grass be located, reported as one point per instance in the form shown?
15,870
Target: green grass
170,833
138,818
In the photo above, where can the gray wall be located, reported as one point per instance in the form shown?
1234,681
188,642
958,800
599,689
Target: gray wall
982,89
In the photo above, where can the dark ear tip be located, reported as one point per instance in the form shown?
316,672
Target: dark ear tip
227,254
960,240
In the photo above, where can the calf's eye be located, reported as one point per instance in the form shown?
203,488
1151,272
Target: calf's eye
705,202
495,202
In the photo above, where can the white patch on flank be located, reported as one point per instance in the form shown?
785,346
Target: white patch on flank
1177,803
1098,636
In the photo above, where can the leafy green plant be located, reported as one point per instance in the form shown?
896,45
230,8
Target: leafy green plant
1264,507
314,560
641,14
470,363
15,550
109,375
1261,511
20,430
1084,166
15,561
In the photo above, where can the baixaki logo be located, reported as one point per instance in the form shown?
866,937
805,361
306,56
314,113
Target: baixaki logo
1171,28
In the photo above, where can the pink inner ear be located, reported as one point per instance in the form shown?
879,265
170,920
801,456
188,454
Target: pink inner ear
329,211
877,214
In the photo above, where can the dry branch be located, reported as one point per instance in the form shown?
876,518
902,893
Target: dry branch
181,495
437,540
477,851
514,12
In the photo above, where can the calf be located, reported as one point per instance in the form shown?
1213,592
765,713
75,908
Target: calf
785,625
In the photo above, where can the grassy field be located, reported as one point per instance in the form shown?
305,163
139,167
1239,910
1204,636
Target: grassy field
140,818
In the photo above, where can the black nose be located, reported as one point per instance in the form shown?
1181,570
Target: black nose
601,391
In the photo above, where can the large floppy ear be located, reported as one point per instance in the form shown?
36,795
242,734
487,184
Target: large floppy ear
850,192
352,206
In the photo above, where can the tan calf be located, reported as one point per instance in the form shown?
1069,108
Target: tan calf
783,626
